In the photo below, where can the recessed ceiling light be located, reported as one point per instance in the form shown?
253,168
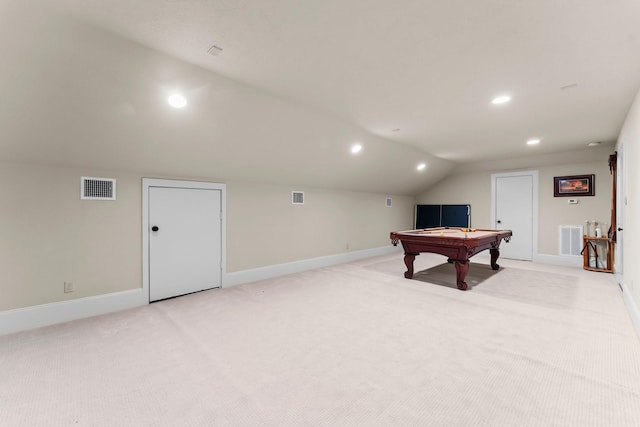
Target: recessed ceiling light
533,141
421,166
177,101
594,144
502,99
356,148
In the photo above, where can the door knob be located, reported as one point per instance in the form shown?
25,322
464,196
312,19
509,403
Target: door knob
499,222
619,229
155,228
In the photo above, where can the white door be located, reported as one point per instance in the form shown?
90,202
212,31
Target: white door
621,204
514,211
185,252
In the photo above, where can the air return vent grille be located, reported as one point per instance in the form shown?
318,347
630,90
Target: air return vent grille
570,239
97,188
388,202
297,197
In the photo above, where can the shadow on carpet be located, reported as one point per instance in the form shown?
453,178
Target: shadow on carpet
527,286
445,275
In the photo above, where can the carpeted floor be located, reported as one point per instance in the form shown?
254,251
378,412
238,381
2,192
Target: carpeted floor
350,345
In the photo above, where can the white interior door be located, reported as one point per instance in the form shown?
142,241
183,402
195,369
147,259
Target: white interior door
514,211
621,204
185,252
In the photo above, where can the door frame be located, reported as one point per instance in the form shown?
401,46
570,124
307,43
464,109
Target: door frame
170,183
621,202
534,214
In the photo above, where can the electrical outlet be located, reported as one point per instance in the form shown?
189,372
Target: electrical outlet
68,287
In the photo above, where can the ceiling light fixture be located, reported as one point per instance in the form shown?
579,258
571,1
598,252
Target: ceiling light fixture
177,101
502,99
421,166
395,130
356,148
594,144
533,141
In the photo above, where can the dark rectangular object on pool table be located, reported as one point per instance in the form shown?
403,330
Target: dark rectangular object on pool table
442,216
458,244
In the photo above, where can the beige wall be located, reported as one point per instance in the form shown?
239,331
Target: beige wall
49,236
264,228
555,211
629,140
475,189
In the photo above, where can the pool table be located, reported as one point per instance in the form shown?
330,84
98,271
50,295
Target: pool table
458,244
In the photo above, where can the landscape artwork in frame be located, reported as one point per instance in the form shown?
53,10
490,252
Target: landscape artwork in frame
573,186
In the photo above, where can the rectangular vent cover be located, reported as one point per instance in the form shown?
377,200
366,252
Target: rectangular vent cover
297,197
570,239
92,188
388,202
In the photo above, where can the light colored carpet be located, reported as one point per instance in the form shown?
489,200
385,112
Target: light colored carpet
349,345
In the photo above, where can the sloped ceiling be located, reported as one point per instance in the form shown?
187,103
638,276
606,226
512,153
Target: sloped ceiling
84,82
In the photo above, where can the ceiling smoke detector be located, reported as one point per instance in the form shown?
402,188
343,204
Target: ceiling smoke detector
214,50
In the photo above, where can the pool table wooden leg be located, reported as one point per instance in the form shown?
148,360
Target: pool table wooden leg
408,261
462,267
495,253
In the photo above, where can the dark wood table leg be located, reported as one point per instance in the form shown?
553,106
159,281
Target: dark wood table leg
408,261
495,253
462,267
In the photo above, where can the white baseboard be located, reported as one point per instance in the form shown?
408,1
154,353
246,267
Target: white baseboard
21,319
632,308
270,271
48,314
564,260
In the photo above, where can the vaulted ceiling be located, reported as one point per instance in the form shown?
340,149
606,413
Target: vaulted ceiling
294,84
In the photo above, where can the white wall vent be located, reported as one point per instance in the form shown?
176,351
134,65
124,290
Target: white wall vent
92,188
570,239
388,202
297,197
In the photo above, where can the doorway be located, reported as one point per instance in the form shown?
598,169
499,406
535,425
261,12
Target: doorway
514,204
183,237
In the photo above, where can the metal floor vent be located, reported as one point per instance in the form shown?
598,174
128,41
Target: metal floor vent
297,197
92,188
570,239
388,202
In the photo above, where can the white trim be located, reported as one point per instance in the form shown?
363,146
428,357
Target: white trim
632,308
535,202
270,271
618,248
564,260
21,319
168,183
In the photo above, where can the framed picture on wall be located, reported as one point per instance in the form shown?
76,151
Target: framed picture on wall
574,185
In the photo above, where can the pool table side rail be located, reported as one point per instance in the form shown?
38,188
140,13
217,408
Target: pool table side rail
455,248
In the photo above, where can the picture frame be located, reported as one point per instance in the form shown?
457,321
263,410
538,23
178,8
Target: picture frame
574,185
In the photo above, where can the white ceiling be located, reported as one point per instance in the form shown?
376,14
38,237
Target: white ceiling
429,68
